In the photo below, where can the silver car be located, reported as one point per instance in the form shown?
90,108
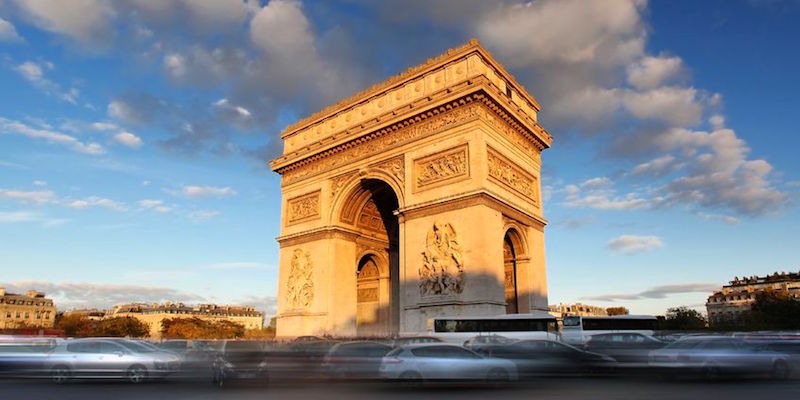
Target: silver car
717,355
109,359
443,362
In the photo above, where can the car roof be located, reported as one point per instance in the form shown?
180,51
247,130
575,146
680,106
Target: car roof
418,345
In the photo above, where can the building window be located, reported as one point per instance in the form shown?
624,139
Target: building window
27,314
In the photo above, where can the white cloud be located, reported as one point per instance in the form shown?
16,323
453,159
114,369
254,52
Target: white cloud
598,193
675,105
658,292
607,32
155,205
34,73
69,295
128,139
719,217
39,182
96,201
631,244
651,72
203,215
104,126
86,21
7,32
656,167
10,217
51,136
197,191
30,197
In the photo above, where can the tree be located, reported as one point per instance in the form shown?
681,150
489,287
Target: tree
121,327
198,328
683,319
74,325
617,311
773,310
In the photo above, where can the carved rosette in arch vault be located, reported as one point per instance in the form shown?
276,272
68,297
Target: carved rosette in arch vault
442,270
300,290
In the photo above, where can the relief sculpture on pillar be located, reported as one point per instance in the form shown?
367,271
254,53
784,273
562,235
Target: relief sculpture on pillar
442,271
300,291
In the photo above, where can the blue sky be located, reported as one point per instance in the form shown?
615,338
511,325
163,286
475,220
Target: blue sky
134,137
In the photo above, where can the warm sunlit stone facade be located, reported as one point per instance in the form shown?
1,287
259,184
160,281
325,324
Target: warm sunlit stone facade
727,304
153,314
30,310
419,197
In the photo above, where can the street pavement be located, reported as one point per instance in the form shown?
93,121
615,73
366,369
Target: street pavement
556,389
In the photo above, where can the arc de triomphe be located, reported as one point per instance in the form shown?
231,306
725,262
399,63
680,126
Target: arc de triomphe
418,197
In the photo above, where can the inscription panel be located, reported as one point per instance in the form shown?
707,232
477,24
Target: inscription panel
512,176
441,168
303,208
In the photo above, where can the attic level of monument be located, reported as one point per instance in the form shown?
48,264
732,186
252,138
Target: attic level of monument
463,75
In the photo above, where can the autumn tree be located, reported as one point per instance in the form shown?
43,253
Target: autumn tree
617,311
74,325
197,328
121,327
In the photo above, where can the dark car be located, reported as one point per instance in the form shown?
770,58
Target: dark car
549,357
355,360
629,349
240,360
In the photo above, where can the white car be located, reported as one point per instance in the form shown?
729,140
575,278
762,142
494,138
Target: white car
444,362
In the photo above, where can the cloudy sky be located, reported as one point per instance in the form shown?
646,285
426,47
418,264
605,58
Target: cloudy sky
134,137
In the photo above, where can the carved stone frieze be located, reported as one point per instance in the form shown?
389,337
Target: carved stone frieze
303,208
385,138
395,167
511,176
442,270
441,167
338,182
300,286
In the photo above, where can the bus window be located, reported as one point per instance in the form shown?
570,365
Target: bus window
571,321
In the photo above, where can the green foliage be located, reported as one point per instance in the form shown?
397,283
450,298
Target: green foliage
197,328
683,319
121,327
617,311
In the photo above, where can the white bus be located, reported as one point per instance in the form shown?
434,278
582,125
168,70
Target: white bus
578,329
512,326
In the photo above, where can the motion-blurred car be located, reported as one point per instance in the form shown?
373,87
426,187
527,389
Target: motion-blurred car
354,360
22,357
548,357
629,349
484,344
716,356
108,359
240,360
444,362
402,341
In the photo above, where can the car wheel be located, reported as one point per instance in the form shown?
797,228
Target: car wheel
780,370
136,374
497,376
60,374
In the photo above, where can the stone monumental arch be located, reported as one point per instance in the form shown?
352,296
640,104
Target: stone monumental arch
416,198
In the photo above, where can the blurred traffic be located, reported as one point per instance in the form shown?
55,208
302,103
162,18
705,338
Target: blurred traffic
419,360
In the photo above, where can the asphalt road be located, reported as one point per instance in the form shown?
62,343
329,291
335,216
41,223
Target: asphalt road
557,389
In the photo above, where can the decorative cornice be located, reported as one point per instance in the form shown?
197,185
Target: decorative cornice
415,126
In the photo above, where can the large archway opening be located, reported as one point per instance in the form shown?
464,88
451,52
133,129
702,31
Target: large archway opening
510,254
370,209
